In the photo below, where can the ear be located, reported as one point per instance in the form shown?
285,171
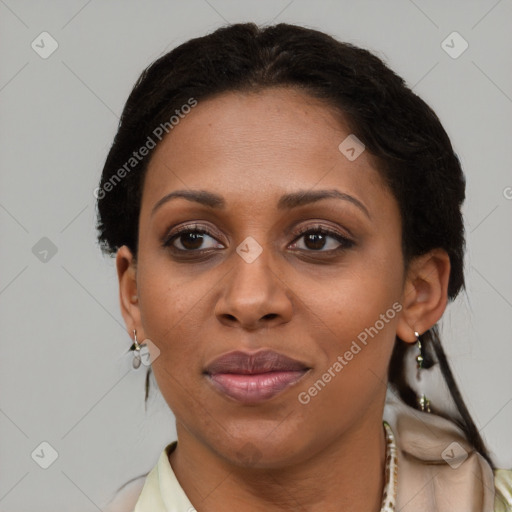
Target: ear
128,297
425,294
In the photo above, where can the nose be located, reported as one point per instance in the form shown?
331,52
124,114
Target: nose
254,295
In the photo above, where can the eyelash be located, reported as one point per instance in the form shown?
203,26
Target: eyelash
345,242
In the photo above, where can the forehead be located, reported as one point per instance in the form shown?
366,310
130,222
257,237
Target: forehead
259,144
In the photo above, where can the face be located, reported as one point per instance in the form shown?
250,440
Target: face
288,246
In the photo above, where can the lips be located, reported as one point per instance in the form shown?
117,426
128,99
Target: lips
252,378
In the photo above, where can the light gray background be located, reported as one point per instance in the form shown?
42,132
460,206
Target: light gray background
64,377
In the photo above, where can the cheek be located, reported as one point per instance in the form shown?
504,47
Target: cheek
167,314
358,296
352,374
360,310
168,297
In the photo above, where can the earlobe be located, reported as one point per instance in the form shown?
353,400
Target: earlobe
425,294
128,297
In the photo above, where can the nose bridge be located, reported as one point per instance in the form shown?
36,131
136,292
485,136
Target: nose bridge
253,275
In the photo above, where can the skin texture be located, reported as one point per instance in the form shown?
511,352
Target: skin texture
294,298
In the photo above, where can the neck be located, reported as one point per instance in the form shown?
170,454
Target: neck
347,474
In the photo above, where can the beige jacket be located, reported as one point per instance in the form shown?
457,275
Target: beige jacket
438,471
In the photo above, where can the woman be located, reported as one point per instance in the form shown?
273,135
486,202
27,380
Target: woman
286,219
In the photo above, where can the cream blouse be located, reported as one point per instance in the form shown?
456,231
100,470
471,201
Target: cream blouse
430,467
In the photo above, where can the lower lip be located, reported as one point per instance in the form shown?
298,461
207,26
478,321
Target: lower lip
254,388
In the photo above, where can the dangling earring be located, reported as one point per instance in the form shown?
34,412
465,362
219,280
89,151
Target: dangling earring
136,348
423,401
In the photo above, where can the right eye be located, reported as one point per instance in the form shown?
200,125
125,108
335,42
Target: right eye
191,239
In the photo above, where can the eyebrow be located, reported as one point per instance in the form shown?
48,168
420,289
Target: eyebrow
286,201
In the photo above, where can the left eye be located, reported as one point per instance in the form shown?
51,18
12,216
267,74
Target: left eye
316,239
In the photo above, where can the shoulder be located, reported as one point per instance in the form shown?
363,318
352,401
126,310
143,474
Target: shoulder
503,488
439,469
126,497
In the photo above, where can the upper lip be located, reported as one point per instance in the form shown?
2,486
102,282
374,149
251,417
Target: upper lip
245,363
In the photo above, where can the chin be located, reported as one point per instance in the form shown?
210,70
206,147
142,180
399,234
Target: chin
263,446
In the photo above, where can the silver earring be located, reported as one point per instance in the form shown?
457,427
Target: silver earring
136,348
423,401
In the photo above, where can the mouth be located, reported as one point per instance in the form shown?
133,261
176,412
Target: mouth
254,378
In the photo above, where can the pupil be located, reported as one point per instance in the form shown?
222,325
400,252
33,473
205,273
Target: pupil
195,238
318,240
